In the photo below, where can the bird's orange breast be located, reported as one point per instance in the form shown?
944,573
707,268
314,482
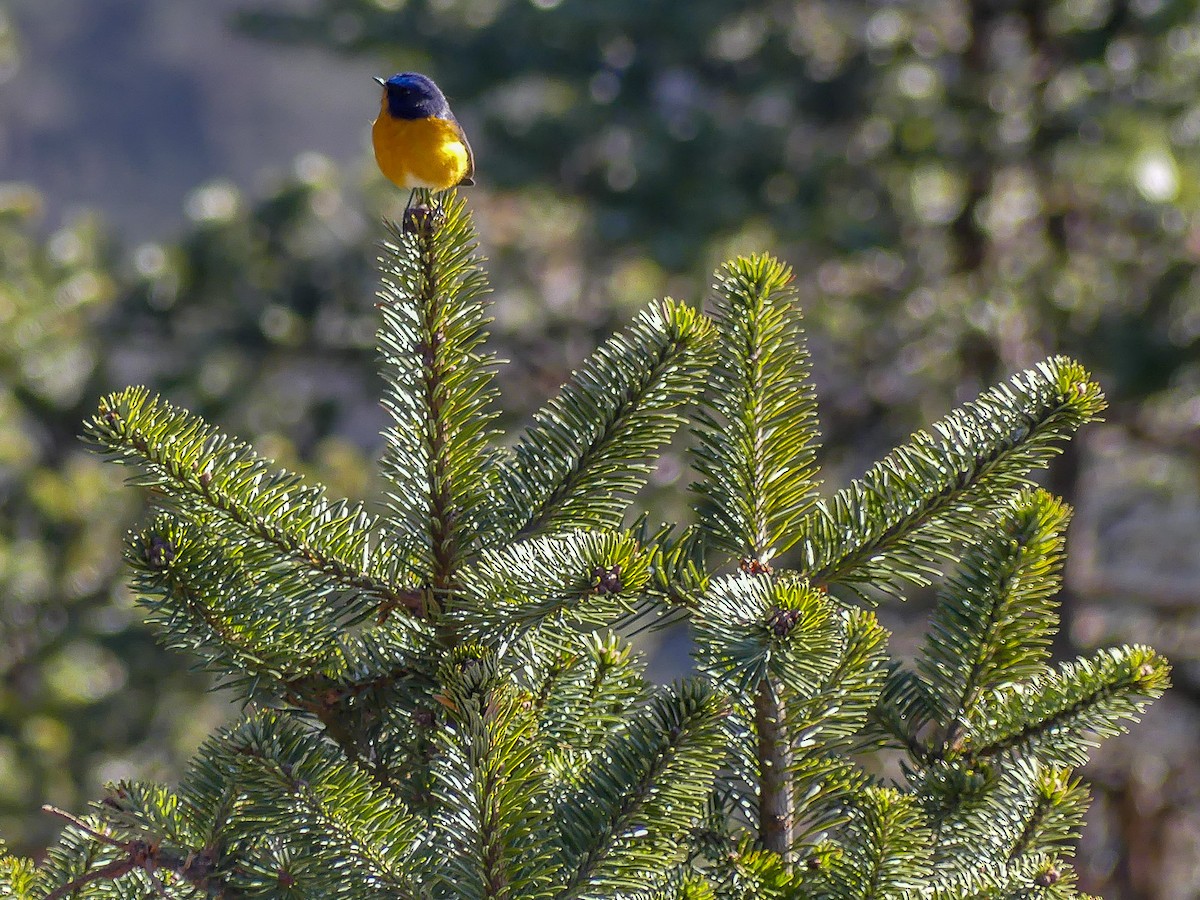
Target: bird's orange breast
420,153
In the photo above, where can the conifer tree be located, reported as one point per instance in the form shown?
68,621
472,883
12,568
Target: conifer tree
440,699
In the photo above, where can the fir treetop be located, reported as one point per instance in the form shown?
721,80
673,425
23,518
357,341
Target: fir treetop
440,700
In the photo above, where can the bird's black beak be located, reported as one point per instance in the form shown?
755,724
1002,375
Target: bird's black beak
382,83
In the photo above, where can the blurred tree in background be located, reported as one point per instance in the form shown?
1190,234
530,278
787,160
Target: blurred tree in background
965,186
988,178
87,696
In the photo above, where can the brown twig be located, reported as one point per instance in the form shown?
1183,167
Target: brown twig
776,825
139,854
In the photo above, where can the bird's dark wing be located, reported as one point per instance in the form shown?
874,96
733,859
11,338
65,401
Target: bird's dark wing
469,178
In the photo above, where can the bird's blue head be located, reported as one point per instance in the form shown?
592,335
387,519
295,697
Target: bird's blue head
411,95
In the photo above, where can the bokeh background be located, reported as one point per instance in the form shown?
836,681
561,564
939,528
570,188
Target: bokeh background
187,200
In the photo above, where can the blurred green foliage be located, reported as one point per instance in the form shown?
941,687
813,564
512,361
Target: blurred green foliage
966,184
85,694
227,319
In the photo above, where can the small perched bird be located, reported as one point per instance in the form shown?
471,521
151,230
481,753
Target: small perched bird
418,142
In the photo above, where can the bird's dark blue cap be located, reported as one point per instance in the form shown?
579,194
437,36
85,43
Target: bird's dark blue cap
412,95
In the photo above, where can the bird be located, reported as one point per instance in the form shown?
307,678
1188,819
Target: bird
418,142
